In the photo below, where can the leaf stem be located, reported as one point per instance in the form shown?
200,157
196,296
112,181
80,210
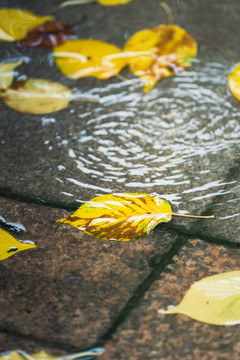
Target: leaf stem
195,216
75,2
168,11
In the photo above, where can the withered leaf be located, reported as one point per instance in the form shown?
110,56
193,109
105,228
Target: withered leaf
234,81
36,96
7,73
81,58
47,35
120,216
10,246
160,52
213,300
15,23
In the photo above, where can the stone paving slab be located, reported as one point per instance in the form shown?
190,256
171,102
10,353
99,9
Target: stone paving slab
10,342
226,208
147,335
71,287
178,141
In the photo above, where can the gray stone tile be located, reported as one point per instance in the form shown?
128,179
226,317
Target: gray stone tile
227,211
178,141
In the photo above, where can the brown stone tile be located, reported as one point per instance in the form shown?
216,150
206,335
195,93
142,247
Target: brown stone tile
147,335
11,342
72,286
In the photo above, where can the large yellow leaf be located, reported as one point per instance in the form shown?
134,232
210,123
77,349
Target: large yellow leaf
36,96
214,300
7,73
10,246
166,50
102,2
21,355
234,81
15,23
120,216
80,58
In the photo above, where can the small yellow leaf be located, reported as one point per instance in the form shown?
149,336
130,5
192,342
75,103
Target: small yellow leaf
120,216
213,300
15,23
36,96
102,2
166,50
42,355
80,58
10,246
234,81
7,73
113,2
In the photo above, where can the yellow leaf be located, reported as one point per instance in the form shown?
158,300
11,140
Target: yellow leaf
113,2
120,216
10,246
80,58
166,50
15,23
234,81
7,73
102,2
42,355
213,300
36,96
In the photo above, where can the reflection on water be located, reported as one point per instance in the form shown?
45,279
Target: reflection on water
135,142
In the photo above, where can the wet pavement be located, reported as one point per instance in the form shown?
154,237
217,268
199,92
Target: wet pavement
180,141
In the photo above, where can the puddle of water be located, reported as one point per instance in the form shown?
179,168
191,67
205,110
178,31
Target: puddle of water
135,142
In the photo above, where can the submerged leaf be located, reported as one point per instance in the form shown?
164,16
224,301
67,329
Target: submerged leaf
166,50
120,216
15,23
7,73
36,96
10,246
102,2
213,300
47,35
234,81
80,58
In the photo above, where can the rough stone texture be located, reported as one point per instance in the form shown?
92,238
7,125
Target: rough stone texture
31,346
147,335
179,140
71,287
226,208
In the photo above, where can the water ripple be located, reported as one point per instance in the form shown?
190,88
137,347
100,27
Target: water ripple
133,141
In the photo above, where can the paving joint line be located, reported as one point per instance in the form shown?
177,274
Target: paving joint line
194,231
139,293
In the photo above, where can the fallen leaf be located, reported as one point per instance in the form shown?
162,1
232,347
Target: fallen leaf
120,216
15,23
213,300
80,58
47,35
166,50
36,96
7,73
102,2
234,81
42,355
10,246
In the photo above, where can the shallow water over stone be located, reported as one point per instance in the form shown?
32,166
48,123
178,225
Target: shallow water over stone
143,142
